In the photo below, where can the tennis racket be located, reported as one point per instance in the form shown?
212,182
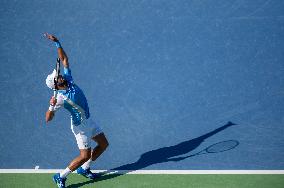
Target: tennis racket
57,68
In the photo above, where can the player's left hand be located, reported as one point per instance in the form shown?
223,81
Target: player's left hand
50,37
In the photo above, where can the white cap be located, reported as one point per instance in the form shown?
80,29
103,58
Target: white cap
50,80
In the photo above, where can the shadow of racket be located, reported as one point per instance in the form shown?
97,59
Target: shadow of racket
214,148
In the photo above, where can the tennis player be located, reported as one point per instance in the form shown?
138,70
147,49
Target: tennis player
72,98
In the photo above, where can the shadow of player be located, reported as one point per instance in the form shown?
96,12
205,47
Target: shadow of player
161,155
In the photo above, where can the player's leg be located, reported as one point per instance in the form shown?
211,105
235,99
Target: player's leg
98,136
83,142
60,178
84,156
102,144
96,133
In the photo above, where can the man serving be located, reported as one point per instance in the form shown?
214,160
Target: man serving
72,98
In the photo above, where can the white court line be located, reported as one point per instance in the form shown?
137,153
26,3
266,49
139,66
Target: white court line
152,171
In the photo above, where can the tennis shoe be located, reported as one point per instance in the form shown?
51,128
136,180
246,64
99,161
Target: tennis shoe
86,173
60,182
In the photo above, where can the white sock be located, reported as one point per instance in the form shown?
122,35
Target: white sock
65,173
87,164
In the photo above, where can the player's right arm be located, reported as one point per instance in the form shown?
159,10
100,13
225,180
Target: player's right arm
50,112
49,115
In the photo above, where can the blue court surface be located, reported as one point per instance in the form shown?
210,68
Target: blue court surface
164,79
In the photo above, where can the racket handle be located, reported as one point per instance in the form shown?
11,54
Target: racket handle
55,93
55,96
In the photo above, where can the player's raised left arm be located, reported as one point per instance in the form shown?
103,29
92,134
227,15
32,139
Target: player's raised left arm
61,53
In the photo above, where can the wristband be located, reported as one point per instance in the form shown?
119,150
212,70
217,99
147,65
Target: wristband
51,108
57,44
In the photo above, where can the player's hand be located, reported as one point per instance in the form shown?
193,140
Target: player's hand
52,101
50,37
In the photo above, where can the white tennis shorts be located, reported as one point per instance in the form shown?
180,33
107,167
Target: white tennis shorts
85,132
